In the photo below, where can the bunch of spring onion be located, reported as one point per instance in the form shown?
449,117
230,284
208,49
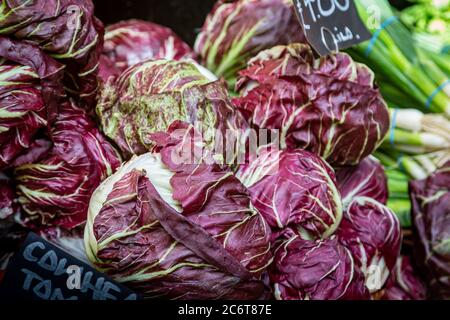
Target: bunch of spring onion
429,22
415,147
406,75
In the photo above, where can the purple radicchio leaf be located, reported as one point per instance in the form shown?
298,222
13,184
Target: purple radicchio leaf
372,233
431,229
328,106
404,283
294,189
315,270
149,96
133,41
178,230
66,30
235,31
55,190
30,93
367,179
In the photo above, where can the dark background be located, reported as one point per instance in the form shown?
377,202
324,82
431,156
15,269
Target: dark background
185,17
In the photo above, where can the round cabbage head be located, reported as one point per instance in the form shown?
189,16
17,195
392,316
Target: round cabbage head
315,270
431,225
55,190
30,90
130,42
149,96
372,233
66,30
294,189
328,106
235,31
172,228
367,179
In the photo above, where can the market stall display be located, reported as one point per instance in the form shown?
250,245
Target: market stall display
238,165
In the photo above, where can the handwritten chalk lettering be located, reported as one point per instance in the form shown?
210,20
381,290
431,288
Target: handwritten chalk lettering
327,37
43,271
101,289
30,276
48,261
131,297
336,37
299,7
28,252
42,288
331,25
318,9
58,295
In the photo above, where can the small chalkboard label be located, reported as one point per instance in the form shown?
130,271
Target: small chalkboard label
331,25
43,271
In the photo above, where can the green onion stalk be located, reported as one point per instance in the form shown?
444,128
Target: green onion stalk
393,54
441,60
416,146
414,133
416,167
396,98
400,170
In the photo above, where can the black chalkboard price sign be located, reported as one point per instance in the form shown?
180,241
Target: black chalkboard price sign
43,271
331,25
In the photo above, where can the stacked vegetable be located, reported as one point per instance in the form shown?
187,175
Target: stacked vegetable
408,77
407,53
205,206
51,152
237,30
180,190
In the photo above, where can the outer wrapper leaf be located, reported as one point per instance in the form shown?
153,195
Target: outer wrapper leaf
30,92
364,180
149,96
404,283
320,270
431,226
372,233
329,106
237,30
133,41
55,191
188,232
294,189
67,30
